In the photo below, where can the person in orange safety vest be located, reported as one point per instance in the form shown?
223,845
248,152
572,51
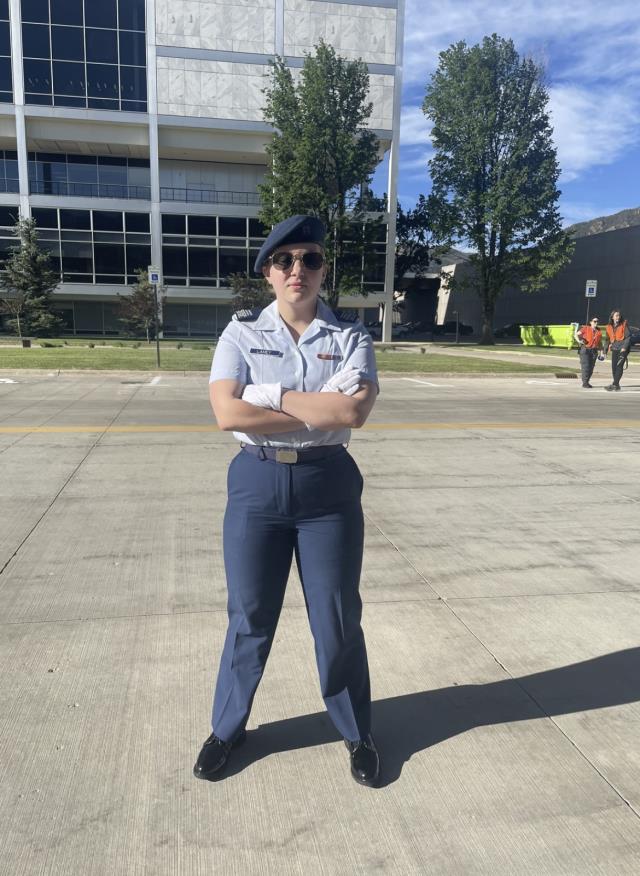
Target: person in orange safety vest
618,340
590,339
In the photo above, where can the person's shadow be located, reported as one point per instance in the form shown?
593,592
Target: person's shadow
409,723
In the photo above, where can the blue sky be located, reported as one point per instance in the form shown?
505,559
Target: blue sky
591,56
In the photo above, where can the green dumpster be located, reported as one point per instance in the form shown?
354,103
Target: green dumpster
548,335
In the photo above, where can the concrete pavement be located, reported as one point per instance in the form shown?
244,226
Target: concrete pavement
502,618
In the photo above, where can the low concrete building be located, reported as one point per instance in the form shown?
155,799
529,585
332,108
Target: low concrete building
611,257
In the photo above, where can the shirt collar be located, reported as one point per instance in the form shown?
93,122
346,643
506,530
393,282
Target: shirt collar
269,319
326,317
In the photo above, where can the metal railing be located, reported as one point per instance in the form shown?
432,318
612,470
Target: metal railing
89,190
209,196
9,185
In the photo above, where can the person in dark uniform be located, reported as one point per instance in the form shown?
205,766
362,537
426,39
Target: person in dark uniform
291,381
590,339
618,340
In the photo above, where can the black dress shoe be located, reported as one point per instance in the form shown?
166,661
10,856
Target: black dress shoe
214,754
365,762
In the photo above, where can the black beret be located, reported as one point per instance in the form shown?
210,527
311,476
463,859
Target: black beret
295,229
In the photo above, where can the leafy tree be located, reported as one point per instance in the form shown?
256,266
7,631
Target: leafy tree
321,155
27,283
495,169
249,292
413,239
137,311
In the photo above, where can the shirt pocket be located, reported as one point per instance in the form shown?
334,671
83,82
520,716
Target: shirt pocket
267,366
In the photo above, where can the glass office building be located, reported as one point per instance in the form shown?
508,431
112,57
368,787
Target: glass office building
132,131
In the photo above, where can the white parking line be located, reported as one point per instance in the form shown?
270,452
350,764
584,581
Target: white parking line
7,380
426,383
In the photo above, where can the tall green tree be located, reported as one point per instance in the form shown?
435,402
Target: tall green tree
321,156
138,310
495,169
27,282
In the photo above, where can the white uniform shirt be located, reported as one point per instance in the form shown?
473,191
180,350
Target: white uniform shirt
262,350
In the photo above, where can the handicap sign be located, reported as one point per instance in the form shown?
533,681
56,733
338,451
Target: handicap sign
154,275
591,289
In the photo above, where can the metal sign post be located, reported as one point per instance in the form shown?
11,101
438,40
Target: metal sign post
590,291
154,279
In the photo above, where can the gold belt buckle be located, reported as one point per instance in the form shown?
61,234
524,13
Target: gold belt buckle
289,456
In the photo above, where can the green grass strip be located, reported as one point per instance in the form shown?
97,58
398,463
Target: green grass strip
144,359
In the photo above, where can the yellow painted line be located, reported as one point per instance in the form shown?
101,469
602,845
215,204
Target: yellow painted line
575,424
369,427
53,430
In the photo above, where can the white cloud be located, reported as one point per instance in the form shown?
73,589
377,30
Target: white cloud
410,161
415,128
592,126
582,26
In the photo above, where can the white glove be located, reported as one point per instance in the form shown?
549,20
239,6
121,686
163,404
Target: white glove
263,395
347,382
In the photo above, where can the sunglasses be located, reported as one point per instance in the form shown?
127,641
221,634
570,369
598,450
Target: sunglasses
283,261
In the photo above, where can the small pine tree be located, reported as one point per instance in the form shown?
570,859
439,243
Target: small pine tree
249,292
27,283
137,311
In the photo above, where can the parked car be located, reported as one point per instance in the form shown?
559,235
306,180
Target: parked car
511,330
449,328
398,330
634,331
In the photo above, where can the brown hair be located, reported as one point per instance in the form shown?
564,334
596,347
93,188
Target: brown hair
616,310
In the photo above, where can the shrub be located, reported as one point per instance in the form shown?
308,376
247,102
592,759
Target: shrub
179,345
91,345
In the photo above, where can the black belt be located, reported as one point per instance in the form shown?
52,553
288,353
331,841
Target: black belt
292,456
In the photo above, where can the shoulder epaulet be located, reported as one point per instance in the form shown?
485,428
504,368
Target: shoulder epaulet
246,315
346,315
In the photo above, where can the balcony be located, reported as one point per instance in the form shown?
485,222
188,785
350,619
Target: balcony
9,185
209,196
89,190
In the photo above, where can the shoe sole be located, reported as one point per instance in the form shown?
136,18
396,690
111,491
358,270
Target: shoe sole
212,773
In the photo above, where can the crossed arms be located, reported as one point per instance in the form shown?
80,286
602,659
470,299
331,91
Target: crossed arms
291,410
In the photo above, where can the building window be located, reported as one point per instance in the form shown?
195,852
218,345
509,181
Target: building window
95,246
9,181
204,250
89,176
83,53
6,79
195,320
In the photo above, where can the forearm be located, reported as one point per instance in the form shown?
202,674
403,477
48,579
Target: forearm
326,410
240,416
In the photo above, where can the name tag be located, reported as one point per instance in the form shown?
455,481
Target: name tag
330,357
266,352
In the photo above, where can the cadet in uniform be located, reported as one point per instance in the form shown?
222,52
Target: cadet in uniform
291,381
